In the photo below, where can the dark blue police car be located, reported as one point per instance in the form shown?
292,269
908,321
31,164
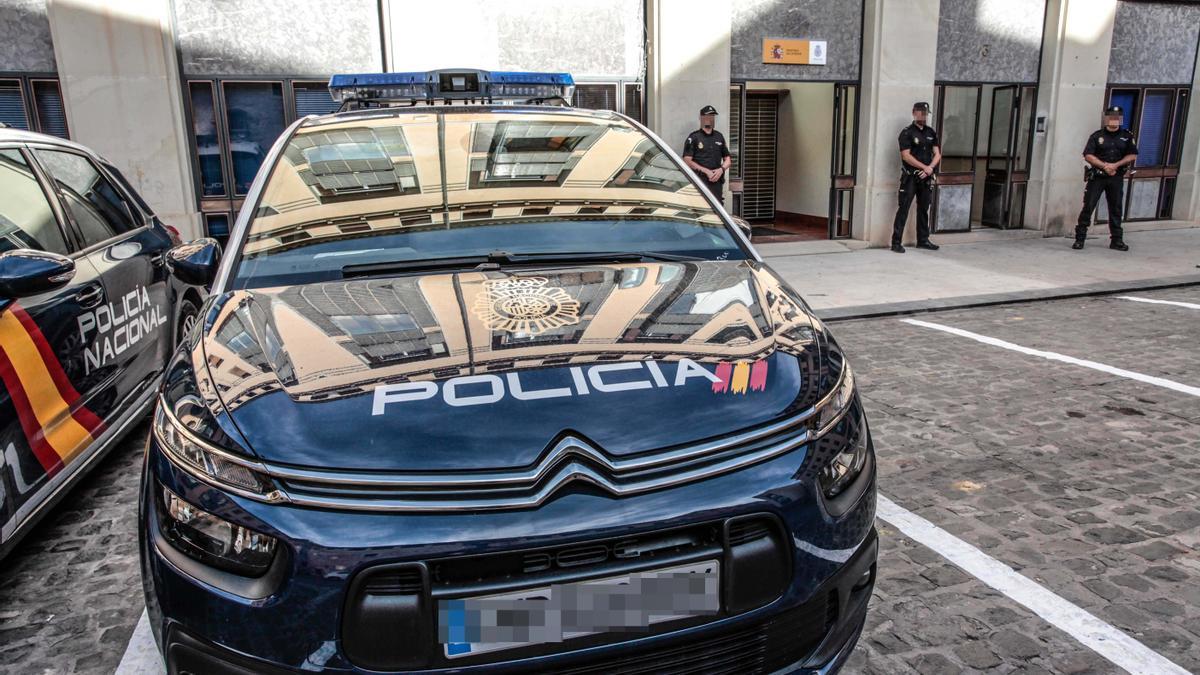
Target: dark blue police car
492,386
88,317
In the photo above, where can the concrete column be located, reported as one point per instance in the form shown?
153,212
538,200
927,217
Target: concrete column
120,82
899,67
687,66
1187,185
1076,45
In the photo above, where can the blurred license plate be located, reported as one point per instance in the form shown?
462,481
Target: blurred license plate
626,603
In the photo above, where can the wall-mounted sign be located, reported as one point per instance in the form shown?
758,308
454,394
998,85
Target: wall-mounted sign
802,52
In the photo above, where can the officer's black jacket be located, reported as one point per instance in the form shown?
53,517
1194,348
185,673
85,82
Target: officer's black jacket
1111,146
920,141
707,150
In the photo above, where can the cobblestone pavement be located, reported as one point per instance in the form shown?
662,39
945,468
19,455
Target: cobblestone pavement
71,592
1085,482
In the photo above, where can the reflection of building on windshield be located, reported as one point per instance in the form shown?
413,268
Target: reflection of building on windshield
354,160
357,177
412,328
649,166
507,153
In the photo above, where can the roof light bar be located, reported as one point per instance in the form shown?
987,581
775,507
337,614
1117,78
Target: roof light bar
451,86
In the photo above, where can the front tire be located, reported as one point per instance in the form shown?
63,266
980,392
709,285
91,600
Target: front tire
188,313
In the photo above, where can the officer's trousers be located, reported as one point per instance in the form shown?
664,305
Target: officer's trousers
922,188
716,189
1113,188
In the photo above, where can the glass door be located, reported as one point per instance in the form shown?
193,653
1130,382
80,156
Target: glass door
1010,143
957,124
845,151
999,155
1018,178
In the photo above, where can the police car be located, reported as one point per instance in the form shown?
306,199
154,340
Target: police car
89,315
488,383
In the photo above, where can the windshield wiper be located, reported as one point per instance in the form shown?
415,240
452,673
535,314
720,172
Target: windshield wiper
497,259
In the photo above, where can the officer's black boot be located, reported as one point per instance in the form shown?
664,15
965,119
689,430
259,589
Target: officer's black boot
1118,245
1077,245
897,248
1080,234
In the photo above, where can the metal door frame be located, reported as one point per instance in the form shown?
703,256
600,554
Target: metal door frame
843,182
956,177
1014,107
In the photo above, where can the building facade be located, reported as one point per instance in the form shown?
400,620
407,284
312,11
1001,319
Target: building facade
187,96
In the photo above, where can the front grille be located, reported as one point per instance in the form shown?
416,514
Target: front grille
766,647
401,581
755,571
592,558
743,531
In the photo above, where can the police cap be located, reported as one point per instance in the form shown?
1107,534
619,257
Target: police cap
921,105
1114,110
708,110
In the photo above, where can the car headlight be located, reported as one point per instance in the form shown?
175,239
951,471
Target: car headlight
833,406
214,541
847,464
204,460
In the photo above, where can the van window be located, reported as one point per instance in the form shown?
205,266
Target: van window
26,219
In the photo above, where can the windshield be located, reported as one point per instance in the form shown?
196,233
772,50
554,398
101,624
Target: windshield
392,187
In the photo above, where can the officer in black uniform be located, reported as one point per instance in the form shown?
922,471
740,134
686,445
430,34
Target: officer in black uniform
706,153
1107,153
920,153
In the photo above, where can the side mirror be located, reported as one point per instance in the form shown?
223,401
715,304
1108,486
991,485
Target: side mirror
25,272
195,262
743,226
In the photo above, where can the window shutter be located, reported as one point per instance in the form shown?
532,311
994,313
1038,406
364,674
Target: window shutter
313,99
52,116
12,105
596,96
1156,119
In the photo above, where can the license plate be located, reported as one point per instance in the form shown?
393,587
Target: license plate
625,603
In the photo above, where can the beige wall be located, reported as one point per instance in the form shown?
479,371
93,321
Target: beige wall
121,90
804,144
687,66
1077,41
1187,186
899,60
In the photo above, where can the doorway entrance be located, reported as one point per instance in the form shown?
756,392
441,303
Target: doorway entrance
987,135
795,149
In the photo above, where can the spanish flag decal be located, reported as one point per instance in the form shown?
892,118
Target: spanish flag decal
54,419
741,376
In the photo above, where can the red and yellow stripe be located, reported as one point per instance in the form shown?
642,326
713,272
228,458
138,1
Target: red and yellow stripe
56,423
740,376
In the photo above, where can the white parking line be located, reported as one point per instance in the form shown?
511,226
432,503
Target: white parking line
1077,622
1189,305
1053,356
141,654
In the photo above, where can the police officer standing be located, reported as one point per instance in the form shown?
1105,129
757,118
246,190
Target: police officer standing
706,153
920,153
1107,153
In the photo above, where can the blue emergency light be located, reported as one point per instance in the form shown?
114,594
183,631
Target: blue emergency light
452,86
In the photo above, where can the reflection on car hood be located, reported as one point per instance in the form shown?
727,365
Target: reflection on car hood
486,369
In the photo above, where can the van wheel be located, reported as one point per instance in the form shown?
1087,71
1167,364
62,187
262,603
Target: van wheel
188,313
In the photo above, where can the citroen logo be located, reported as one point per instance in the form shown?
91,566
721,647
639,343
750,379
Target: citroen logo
525,305
573,459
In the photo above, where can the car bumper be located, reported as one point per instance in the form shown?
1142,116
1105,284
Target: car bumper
297,617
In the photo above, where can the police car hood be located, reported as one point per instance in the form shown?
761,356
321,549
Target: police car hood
484,370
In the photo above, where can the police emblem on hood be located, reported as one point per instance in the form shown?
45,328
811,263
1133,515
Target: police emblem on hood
525,305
